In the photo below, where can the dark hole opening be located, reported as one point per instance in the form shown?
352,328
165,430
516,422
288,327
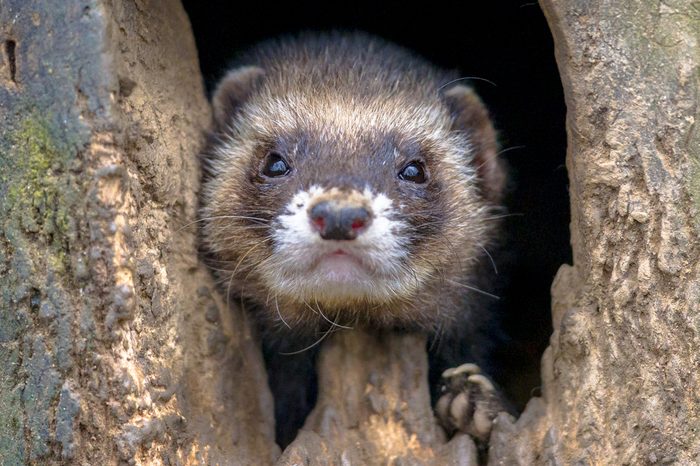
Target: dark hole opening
10,46
507,42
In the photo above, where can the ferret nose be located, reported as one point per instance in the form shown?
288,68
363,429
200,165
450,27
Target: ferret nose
339,223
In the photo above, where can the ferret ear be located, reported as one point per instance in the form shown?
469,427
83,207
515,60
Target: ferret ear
470,115
232,91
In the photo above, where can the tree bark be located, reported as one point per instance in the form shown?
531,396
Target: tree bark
374,407
115,346
621,375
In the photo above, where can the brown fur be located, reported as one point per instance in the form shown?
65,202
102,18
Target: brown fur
339,106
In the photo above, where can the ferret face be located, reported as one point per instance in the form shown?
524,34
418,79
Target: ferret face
323,202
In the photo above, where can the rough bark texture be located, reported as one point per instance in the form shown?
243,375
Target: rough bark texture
374,407
621,376
113,346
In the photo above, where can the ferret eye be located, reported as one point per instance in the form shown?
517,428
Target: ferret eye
413,172
275,166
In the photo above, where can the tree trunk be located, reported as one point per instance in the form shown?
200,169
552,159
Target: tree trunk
115,346
622,373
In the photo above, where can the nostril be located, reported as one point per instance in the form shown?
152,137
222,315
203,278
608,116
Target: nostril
354,220
358,224
319,222
321,216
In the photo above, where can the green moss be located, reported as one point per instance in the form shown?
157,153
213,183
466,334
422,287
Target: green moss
37,195
33,155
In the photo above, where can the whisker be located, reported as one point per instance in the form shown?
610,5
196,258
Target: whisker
318,308
437,337
495,156
279,314
493,262
254,267
219,270
244,256
323,337
508,149
473,288
218,217
228,292
465,78
236,235
259,212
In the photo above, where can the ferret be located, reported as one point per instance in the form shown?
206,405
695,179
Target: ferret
349,183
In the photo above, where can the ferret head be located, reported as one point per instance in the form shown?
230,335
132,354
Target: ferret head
344,184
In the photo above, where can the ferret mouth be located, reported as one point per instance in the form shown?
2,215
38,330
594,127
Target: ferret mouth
341,266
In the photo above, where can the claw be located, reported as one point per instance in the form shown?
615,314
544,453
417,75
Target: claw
470,402
467,368
482,381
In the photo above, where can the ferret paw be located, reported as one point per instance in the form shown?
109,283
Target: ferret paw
469,403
